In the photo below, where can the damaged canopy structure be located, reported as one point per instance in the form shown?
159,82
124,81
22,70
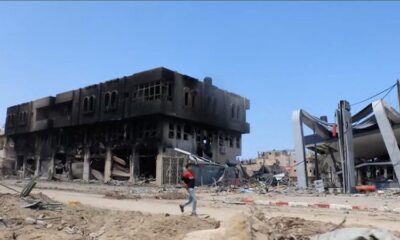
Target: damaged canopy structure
359,149
208,172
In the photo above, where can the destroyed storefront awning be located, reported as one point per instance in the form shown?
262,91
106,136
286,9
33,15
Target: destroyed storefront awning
208,172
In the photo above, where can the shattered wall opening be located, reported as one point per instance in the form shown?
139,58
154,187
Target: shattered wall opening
60,163
121,163
147,160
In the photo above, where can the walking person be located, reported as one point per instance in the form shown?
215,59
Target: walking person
189,180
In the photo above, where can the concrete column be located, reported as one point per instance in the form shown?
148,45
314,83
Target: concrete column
385,172
132,167
107,165
68,161
387,132
300,153
24,167
50,170
346,146
37,161
86,164
159,169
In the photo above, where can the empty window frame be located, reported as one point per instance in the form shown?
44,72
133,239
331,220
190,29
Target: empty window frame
198,135
238,142
23,118
106,100
221,141
233,111
186,96
193,95
10,120
171,131
89,103
114,100
189,98
111,100
211,105
92,102
85,104
178,132
186,132
151,91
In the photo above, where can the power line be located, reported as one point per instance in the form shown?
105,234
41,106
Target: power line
388,90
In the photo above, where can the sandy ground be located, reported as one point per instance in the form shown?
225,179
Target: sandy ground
82,222
211,204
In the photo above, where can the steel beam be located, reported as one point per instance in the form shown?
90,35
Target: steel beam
346,146
387,134
300,154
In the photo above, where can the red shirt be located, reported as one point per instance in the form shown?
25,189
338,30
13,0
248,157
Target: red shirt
188,178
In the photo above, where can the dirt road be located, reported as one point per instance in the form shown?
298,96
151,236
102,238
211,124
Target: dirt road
222,211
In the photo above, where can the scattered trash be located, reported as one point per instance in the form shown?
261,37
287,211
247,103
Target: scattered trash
28,188
95,235
319,186
33,221
244,190
40,205
73,203
366,188
73,230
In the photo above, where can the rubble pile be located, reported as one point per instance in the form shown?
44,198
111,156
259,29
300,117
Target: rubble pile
258,227
286,227
82,222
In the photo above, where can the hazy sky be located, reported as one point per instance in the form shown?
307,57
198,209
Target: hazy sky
281,55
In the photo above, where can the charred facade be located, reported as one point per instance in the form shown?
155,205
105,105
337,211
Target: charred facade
124,129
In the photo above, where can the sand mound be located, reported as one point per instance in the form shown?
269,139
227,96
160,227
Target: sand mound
257,226
83,222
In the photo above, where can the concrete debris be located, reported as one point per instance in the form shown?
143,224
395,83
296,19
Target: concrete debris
356,234
96,235
82,222
33,221
119,160
119,173
97,174
28,188
172,195
257,226
73,230
120,195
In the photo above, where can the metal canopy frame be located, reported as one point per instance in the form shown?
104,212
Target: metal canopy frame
378,113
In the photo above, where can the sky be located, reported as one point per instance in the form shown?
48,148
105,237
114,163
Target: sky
282,56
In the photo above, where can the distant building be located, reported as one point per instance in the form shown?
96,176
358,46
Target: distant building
280,161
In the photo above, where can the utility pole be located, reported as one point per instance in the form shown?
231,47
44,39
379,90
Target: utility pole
398,93
316,161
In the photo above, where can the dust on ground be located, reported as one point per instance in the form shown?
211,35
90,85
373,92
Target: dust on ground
161,195
83,222
258,227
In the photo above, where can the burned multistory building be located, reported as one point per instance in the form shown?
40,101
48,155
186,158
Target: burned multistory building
126,128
